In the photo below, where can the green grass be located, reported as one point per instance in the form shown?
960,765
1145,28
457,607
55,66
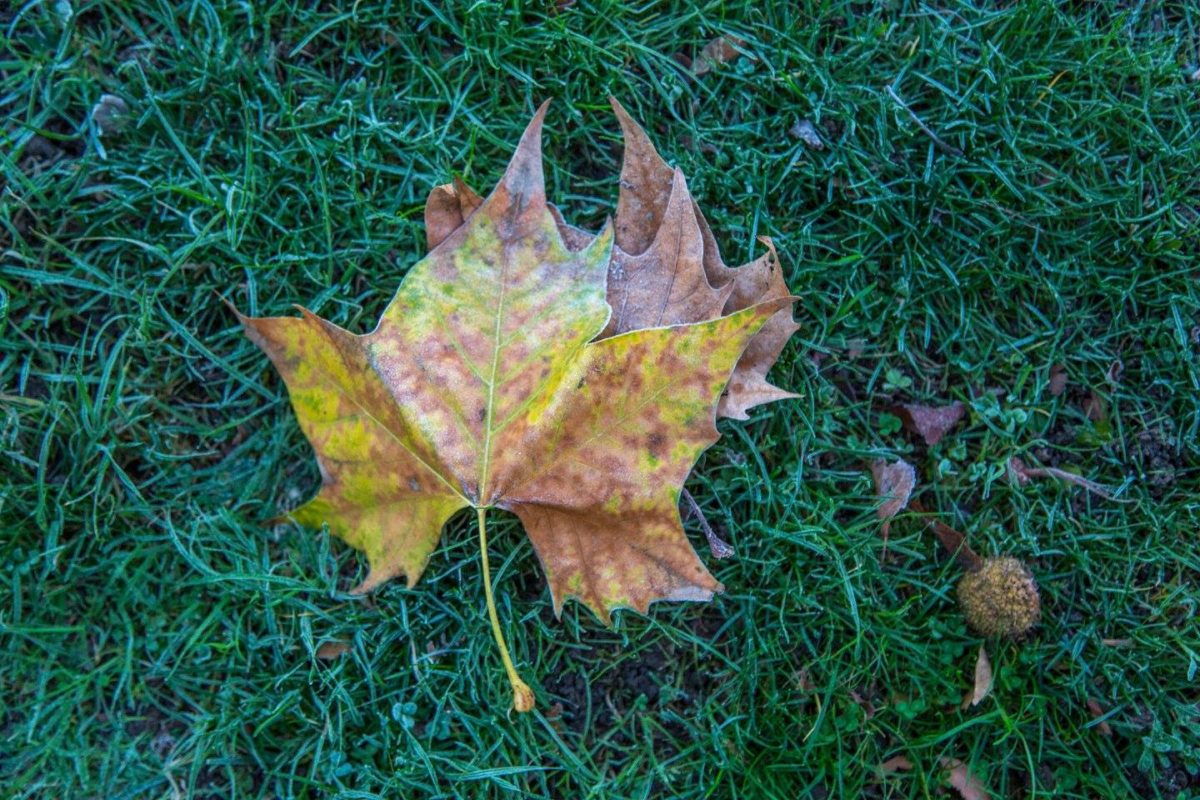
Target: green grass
157,638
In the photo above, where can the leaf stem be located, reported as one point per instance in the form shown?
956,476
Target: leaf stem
716,545
522,694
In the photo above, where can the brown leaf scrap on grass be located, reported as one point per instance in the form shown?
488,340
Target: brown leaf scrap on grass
1098,713
957,774
721,50
983,680
894,484
1095,407
333,649
953,542
931,423
494,381
896,764
805,131
960,777
1058,380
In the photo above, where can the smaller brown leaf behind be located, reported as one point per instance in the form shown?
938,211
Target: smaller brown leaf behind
647,183
665,284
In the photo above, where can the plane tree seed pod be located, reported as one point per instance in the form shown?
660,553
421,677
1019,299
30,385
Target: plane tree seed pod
1000,598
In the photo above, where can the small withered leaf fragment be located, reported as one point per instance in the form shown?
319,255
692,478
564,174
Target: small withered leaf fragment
721,50
805,131
961,778
931,423
1093,707
1057,383
332,649
983,678
110,115
1023,473
894,484
895,764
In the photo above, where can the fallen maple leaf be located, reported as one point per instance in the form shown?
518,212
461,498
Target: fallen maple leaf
484,385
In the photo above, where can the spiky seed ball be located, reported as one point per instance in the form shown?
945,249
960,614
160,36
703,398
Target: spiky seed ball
1000,598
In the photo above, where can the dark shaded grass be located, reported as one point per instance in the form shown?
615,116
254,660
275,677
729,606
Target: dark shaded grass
160,640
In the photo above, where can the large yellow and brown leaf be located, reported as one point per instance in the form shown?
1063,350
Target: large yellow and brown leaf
484,385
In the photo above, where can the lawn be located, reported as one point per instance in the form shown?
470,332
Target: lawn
1003,193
